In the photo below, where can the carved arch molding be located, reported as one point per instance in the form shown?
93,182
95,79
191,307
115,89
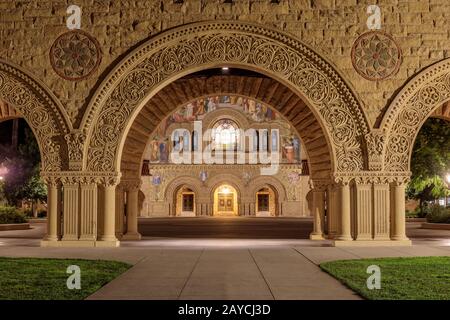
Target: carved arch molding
417,101
198,46
42,111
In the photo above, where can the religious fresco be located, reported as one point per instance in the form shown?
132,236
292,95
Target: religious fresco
256,112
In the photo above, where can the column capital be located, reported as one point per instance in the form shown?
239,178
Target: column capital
370,177
131,184
52,181
319,185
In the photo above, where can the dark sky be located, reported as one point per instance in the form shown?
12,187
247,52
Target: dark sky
6,131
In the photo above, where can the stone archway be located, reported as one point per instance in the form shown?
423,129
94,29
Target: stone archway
204,45
341,128
42,111
417,101
7,112
273,183
309,130
178,183
225,179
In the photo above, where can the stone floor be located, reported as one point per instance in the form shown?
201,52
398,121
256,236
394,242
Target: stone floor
224,261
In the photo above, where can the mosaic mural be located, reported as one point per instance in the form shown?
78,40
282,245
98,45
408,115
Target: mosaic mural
256,112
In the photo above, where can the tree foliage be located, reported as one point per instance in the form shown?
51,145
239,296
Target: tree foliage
430,161
22,181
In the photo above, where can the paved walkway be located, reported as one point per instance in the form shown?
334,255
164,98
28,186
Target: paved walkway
217,268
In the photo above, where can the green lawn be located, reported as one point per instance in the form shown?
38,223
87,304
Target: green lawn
417,278
29,278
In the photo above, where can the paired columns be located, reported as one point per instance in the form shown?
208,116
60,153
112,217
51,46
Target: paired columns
81,210
371,210
366,210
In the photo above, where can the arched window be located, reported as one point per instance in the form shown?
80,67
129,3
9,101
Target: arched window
225,135
194,141
274,147
264,140
186,141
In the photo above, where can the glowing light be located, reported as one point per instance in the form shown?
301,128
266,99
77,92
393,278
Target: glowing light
225,69
448,178
225,190
3,171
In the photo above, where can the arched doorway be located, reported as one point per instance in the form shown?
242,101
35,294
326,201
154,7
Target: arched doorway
225,201
266,202
185,202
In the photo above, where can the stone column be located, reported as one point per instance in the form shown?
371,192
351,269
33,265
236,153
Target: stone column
132,211
108,237
318,210
363,209
88,209
344,232
53,214
398,211
120,211
381,205
332,212
71,208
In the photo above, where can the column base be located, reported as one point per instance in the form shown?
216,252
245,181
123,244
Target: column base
343,238
316,236
80,244
131,236
47,238
371,243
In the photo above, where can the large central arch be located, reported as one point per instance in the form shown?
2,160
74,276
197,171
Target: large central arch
198,46
259,88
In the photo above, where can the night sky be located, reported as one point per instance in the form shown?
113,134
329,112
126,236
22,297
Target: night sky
6,131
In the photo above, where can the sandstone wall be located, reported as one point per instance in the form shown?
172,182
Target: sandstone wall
29,27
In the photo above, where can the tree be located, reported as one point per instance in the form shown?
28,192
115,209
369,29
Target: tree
22,181
430,162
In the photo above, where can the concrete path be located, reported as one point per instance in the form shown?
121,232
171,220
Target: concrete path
260,274
224,268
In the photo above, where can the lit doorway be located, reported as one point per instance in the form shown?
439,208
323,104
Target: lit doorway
225,201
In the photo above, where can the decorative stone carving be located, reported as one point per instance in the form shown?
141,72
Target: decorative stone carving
208,44
319,185
75,143
75,55
412,106
375,146
40,108
376,55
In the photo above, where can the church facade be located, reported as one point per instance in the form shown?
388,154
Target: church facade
114,92
223,133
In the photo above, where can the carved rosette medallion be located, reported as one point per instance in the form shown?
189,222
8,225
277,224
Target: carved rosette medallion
376,56
75,55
